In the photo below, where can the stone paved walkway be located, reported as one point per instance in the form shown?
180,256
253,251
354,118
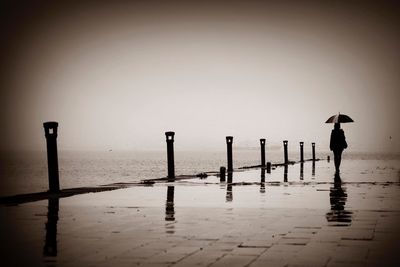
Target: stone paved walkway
204,223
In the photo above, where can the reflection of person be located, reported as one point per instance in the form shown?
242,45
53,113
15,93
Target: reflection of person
337,145
338,197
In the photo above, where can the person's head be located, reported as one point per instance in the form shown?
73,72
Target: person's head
337,126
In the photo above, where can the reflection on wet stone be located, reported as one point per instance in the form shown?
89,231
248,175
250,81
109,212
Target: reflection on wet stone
338,197
262,184
285,174
229,194
169,208
301,171
313,170
50,246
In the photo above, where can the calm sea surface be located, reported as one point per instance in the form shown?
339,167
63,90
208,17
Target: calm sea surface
26,172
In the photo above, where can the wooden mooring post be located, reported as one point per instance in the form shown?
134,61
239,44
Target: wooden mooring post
229,142
313,151
50,129
170,155
262,144
301,151
285,151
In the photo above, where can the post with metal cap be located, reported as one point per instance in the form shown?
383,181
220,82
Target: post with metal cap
170,155
229,141
285,145
50,130
301,151
262,143
313,151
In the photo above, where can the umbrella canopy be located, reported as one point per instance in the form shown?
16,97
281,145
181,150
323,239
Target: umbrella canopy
339,118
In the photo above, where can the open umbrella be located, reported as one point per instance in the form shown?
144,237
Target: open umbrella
339,118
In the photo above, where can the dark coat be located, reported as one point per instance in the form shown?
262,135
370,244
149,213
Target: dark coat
338,140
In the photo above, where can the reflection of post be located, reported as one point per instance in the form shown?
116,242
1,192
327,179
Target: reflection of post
230,175
169,208
262,143
285,148
313,169
301,171
301,151
285,174
50,246
229,193
50,129
262,184
229,141
170,155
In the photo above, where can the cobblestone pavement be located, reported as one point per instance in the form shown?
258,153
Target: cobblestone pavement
200,223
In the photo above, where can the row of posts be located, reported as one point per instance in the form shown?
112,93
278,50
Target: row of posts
50,129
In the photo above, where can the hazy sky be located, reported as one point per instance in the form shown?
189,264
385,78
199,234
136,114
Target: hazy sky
118,75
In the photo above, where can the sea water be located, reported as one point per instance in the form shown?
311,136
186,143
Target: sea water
26,172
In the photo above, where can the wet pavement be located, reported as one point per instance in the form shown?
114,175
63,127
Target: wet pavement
296,216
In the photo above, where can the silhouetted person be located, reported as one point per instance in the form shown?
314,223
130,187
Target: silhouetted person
337,145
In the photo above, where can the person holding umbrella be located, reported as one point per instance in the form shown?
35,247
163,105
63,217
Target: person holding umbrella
338,140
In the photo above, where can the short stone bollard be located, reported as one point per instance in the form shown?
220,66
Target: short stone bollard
285,148
229,141
301,151
222,174
268,167
262,143
50,129
170,155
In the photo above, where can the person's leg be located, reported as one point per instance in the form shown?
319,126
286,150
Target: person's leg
339,159
336,158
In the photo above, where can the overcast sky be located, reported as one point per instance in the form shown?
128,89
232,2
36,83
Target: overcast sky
117,75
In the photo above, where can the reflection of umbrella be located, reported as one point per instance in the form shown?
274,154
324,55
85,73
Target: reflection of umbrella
340,118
